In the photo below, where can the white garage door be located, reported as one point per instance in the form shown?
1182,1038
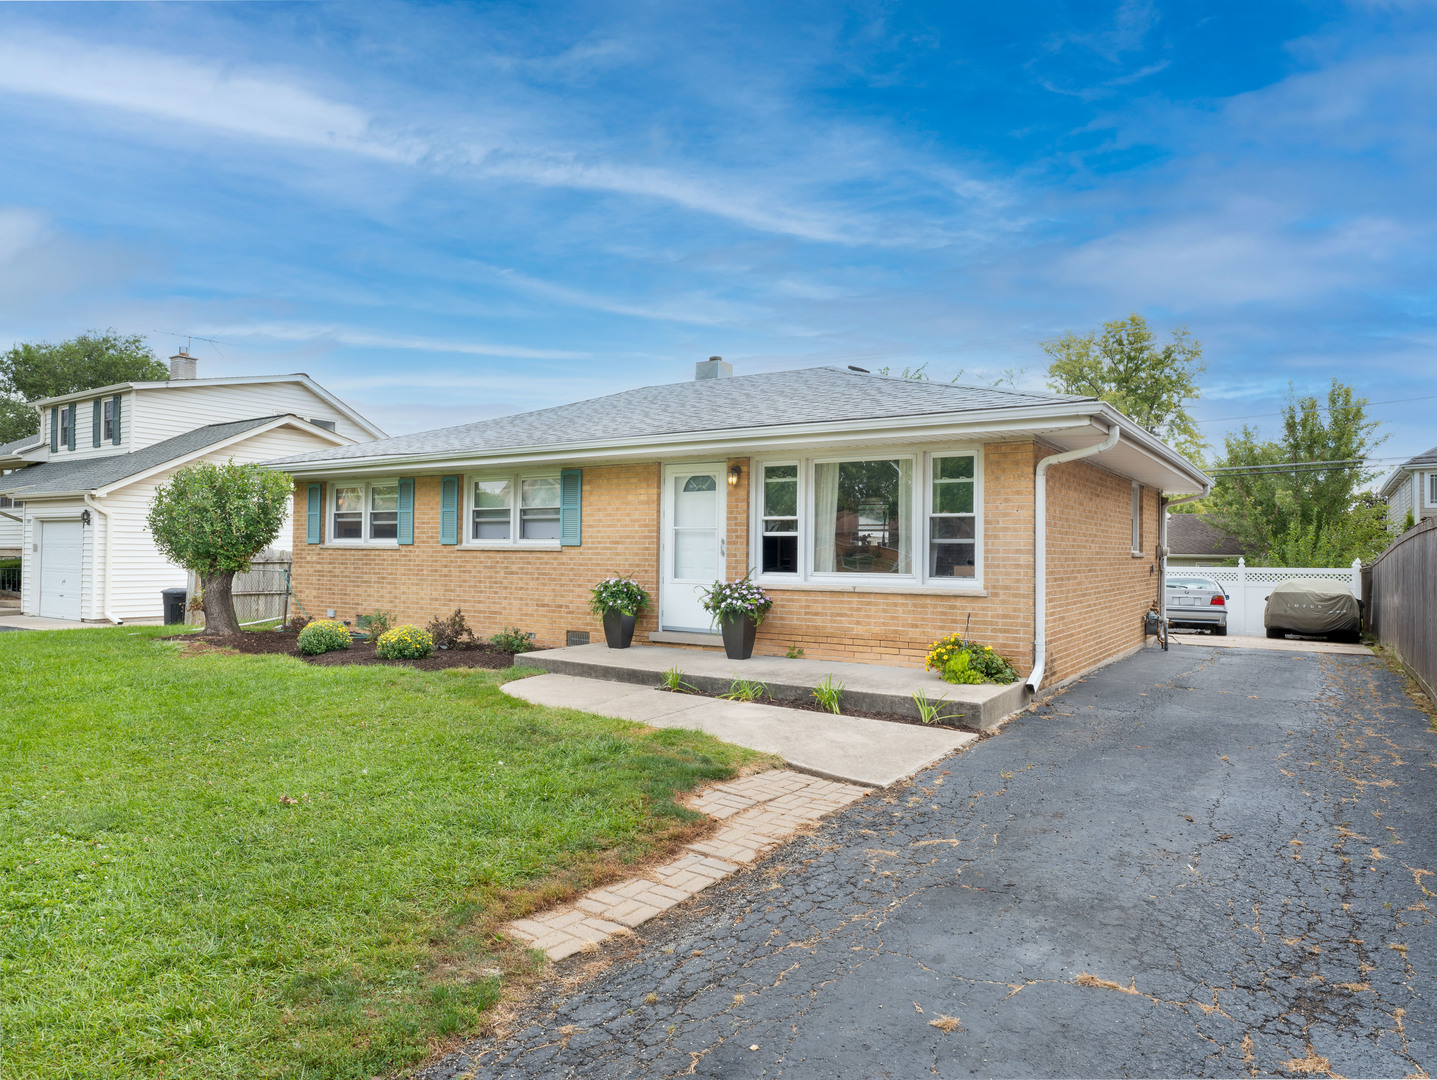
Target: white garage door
61,545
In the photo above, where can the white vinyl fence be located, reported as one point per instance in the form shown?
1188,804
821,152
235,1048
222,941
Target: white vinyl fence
1247,587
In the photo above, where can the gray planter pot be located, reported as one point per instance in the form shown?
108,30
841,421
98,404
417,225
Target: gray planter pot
738,635
619,629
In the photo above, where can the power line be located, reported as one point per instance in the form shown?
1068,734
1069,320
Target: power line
1330,409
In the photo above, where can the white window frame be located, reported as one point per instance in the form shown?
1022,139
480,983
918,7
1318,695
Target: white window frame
516,517
1432,489
107,421
331,505
1136,540
800,488
922,458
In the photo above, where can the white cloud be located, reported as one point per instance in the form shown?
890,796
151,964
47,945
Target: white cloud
370,339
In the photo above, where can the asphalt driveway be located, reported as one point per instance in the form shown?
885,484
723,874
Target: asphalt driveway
1201,862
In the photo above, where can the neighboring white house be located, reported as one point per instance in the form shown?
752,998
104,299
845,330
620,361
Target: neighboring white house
80,491
1412,486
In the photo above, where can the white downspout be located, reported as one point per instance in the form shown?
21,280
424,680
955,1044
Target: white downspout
104,589
1040,548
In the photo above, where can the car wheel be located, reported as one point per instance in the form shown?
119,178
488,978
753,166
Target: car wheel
1275,632
1220,631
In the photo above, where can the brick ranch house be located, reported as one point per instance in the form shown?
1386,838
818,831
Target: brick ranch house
880,513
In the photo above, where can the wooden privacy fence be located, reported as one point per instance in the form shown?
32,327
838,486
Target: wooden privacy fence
1403,604
260,594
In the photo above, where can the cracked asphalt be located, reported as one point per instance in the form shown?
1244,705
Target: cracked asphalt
1201,862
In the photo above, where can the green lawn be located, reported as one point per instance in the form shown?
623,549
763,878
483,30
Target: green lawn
166,910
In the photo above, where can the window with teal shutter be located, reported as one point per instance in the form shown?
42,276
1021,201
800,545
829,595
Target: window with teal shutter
449,509
314,517
406,511
116,417
70,438
54,429
571,497
95,424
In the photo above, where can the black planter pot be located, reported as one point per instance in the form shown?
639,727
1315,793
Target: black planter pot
619,629
738,635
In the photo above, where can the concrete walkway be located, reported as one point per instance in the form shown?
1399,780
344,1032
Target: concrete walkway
852,749
1238,641
866,687
16,621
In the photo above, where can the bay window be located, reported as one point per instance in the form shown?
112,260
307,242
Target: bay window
909,517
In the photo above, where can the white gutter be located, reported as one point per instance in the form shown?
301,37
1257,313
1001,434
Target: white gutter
105,589
1040,548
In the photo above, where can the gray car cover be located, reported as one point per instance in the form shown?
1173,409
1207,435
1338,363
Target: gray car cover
1311,606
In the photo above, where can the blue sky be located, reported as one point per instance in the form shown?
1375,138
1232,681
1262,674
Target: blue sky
450,212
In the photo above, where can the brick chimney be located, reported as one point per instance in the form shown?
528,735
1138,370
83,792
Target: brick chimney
712,368
182,365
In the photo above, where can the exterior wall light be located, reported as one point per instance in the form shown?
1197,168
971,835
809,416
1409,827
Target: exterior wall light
734,473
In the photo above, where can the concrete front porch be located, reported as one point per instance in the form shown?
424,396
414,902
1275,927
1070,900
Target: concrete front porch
866,687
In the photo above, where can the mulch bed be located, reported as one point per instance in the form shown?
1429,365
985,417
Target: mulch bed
269,642
809,705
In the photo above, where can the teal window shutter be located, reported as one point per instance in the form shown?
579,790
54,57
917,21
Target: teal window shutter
571,501
449,509
54,429
115,416
95,424
406,511
314,518
70,444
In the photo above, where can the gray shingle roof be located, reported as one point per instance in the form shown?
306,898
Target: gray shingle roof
88,473
1190,534
1429,458
821,395
19,446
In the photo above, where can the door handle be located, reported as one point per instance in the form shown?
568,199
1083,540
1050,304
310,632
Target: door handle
723,546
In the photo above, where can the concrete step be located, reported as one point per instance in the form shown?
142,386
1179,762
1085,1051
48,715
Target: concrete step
866,687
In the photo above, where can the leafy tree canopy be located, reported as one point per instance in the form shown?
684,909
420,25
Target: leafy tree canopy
1304,516
1124,366
212,520
29,372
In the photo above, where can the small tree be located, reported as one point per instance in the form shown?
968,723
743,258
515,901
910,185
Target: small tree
1125,366
212,520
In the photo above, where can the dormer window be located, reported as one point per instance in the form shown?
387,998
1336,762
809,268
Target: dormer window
67,428
108,434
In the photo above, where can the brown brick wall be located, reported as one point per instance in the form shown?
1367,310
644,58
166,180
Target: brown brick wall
546,592
1097,591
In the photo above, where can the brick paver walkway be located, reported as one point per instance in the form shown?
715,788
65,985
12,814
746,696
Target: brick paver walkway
759,812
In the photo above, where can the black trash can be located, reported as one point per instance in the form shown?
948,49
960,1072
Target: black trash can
174,603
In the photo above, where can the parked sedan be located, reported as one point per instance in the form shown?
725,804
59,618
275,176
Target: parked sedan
1199,602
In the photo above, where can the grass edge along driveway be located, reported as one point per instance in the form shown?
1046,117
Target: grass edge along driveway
215,865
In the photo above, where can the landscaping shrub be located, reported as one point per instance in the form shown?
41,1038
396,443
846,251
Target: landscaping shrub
404,643
512,639
297,623
989,665
451,633
377,624
322,636
959,670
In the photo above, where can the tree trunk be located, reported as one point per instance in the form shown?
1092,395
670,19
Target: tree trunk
220,617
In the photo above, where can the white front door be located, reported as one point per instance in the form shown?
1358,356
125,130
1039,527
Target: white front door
61,552
692,548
